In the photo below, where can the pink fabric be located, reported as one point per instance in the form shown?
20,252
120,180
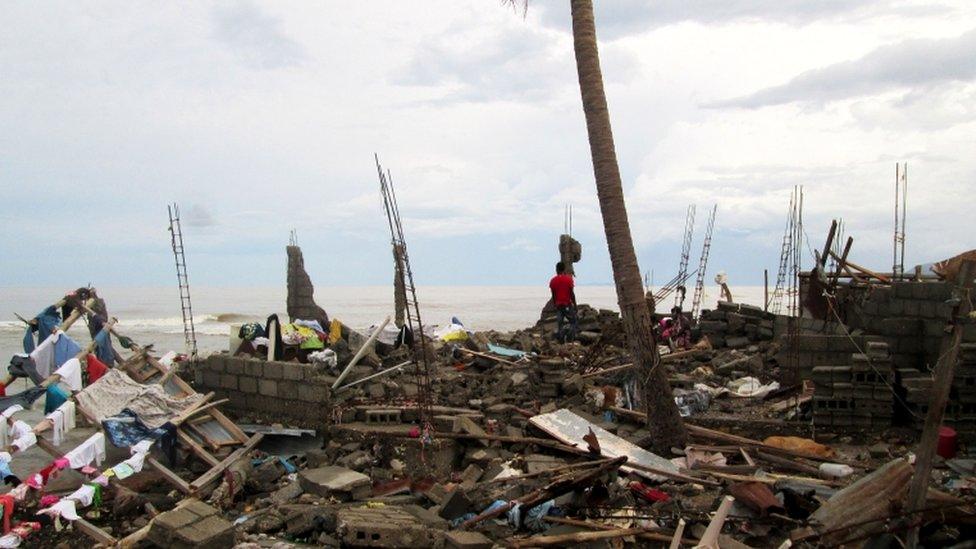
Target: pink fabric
49,499
62,463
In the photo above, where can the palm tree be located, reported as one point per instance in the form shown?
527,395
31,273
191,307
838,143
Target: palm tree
662,412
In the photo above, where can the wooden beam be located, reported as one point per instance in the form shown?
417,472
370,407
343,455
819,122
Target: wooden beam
851,265
94,532
169,475
944,372
842,260
822,258
215,472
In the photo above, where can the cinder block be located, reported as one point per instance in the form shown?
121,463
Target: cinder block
268,387
211,380
273,370
253,367
247,384
234,365
228,381
292,372
215,363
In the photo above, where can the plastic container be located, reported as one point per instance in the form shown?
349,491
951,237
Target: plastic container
947,442
835,470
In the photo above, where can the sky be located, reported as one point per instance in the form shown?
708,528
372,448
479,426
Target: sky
259,118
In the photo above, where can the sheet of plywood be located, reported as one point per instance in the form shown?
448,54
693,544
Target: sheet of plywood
570,428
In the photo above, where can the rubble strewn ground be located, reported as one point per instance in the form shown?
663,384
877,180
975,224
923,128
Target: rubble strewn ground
375,482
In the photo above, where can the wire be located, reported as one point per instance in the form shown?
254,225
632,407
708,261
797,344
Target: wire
884,378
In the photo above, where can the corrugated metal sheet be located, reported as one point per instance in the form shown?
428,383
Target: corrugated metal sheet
570,428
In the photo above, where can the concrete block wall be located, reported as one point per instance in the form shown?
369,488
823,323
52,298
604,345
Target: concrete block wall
858,394
294,392
910,316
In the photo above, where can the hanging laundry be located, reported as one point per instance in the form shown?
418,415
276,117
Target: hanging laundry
126,430
57,426
335,331
43,355
22,436
44,324
273,331
5,465
123,471
91,450
250,331
19,533
23,366
102,339
139,452
63,509
7,501
95,368
56,396
83,495
70,373
63,420
24,399
10,411
65,349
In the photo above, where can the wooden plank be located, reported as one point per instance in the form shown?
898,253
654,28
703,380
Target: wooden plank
94,532
215,472
945,370
169,475
195,447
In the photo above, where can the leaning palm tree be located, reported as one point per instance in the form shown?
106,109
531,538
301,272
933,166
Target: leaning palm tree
662,413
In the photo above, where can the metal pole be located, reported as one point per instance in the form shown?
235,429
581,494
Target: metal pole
766,290
361,352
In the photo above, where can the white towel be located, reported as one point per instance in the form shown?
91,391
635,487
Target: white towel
4,442
43,355
69,415
83,495
70,373
22,436
91,450
139,452
65,508
57,419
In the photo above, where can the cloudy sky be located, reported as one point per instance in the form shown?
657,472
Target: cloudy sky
258,118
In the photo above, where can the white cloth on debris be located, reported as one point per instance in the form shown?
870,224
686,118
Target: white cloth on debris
43,355
139,452
4,442
22,436
65,508
93,449
63,419
84,495
8,541
70,373
750,387
57,426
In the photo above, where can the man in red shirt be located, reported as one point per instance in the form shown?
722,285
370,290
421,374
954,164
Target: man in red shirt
564,298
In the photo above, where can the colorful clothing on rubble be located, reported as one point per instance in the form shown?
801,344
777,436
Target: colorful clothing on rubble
273,332
250,331
24,399
102,339
55,398
23,366
54,351
7,502
45,323
95,368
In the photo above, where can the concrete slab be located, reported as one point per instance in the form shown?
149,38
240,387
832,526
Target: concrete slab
332,481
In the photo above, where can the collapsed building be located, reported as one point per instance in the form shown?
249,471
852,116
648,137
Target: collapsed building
334,437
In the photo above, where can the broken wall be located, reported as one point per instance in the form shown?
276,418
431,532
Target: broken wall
291,391
301,301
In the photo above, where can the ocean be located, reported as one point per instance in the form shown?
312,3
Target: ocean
152,314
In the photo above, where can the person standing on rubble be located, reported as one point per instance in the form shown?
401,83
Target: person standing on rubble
564,298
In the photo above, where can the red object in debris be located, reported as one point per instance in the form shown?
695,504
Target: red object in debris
3,390
414,432
947,443
648,493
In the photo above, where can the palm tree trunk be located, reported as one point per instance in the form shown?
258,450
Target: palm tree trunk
662,412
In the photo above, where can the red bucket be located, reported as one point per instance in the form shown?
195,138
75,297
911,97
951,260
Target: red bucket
947,443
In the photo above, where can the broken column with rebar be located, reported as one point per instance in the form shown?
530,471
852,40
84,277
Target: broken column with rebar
301,301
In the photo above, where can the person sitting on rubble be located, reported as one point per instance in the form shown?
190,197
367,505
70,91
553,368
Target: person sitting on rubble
676,331
564,298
